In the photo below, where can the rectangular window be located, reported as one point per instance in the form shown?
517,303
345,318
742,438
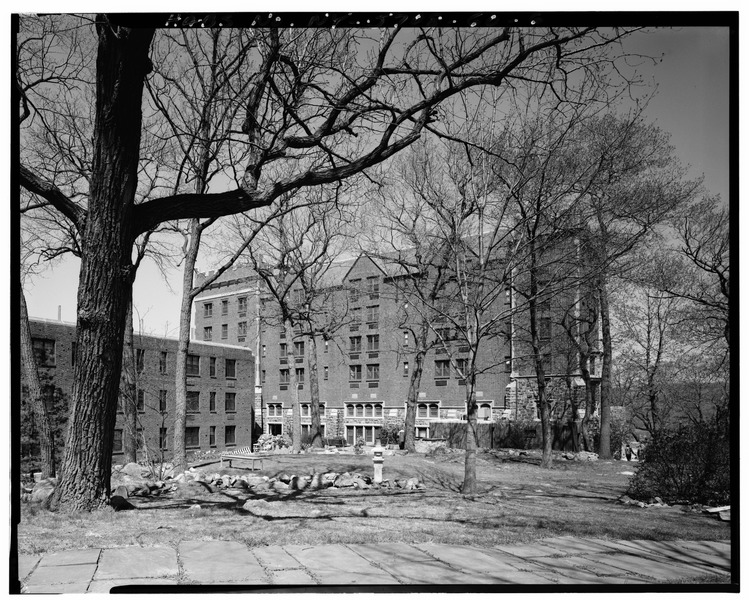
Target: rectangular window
212,402
327,344
373,287
212,436
193,365
405,369
325,373
242,329
242,306
283,375
262,376
300,376
406,338
442,368
231,368
354,372
193,402
230,402
373,314
140,360
462,366
162,401
298,348
373,343
355,344
508,364
207,334
230,435
141,401
356,316
353,291
117,442
373,372
224,308
162,362
264,351
224,331
207,310
192,437
544,328
162,438
283,350
212,366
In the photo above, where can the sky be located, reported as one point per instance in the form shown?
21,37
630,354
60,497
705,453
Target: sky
692,105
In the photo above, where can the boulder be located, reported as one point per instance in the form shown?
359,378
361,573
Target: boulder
195,508
261,486
280,486
134,470
411,483
298,483
328,479
119,503
43,490
361,484
626,500
253,481
344,480
121,491
240,483
285,477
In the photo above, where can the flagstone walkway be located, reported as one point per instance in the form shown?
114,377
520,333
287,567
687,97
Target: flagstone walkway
551,562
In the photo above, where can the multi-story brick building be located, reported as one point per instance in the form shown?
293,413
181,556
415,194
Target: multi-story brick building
220,384
364,366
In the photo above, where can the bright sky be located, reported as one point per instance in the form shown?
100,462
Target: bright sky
692,105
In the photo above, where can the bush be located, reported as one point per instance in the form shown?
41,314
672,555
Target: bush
690,464
389,433
359,446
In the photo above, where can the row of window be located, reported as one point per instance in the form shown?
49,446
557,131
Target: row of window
45,353
192,437
193,366
276,410
375,410
193,402
371,289
241,308
241,332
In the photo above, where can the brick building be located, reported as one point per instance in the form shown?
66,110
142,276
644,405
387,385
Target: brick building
364,368
220,384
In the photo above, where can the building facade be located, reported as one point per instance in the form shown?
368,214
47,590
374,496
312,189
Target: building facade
364,365
220,384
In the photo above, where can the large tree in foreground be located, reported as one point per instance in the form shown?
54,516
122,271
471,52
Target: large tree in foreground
325,105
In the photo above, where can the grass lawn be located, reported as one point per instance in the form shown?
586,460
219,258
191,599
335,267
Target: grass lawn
519,502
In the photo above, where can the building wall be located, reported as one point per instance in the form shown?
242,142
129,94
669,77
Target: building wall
155,377
442,397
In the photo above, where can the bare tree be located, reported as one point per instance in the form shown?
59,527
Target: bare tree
313,92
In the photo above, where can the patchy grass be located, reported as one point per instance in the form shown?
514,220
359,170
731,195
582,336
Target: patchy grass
519,502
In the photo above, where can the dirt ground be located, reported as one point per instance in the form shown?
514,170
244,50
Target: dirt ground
518,502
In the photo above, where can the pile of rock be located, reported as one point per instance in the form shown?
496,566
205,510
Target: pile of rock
655,503
580,456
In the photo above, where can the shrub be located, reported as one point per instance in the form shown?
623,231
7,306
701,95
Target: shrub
359,446
389,433
689,464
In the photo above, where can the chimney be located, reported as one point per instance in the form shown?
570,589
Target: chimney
59,312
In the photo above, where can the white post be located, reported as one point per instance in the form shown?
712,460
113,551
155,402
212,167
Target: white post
377,459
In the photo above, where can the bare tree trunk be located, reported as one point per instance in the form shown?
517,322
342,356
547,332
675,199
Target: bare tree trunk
296,416
546,433
105,281
413,396
36,395
179,453
605,440
472,412
128,391
314,387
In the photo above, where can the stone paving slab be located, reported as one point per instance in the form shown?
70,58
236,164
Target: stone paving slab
658,570
66,588
572,545
220,562
104,586
684,555
335,564
88,556
136,562
577,569
291,577
527,550
26,564
275,557
472,560
411,565
702,554
59,575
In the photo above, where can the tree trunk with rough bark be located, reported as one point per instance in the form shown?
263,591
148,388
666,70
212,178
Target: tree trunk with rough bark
412,400
296,415
470,483
179,453
105,281
128,391
604,451
36,395
314,387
